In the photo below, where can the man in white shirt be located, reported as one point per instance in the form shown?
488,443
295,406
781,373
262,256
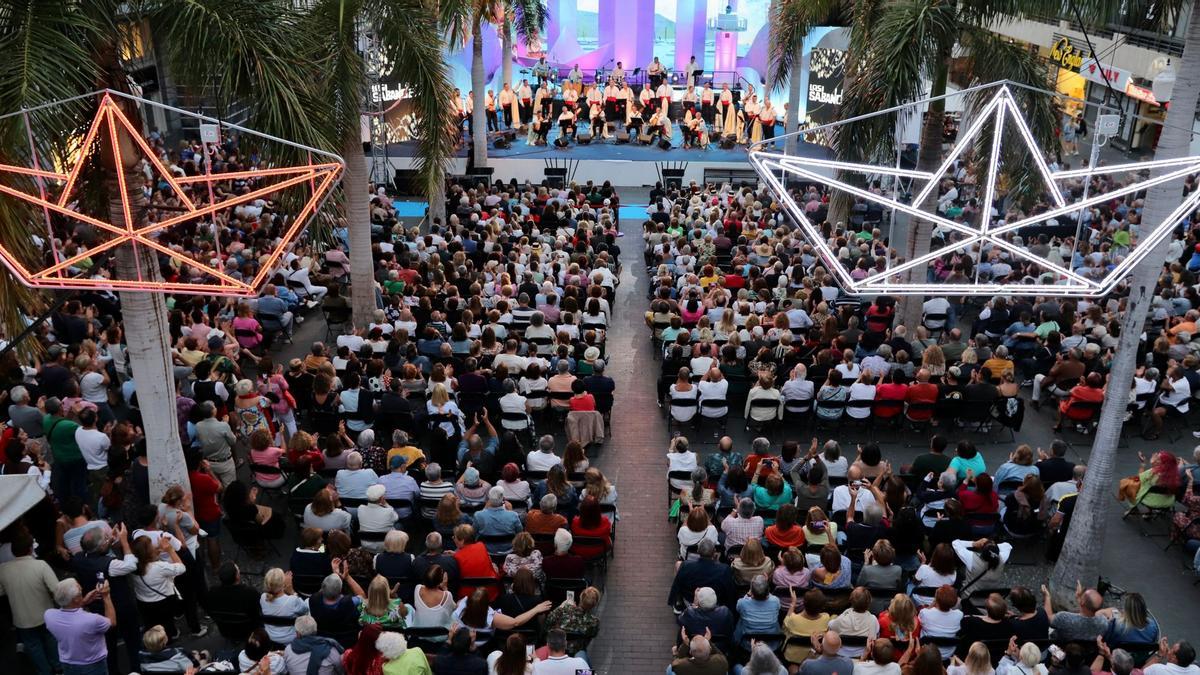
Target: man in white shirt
559,663
354,481
1176,392
841,494
93,445
543,458
714,387
1179,659
797,317
511,405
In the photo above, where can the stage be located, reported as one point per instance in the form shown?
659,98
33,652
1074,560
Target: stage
627,164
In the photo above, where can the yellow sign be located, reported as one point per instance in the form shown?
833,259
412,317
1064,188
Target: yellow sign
1066,55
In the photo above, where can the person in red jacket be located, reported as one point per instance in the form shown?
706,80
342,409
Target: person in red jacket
1090,391
978,498
205,488
474,562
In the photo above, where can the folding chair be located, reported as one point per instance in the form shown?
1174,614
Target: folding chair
721,420
767,425
685,403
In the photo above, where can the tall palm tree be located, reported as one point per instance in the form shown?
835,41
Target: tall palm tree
1082,550
325,39
467,18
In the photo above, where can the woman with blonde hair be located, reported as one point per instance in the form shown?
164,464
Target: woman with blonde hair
440,406
751,562
978,662
819,530
381,607
934,360
899,622
596,485
279,601
525,555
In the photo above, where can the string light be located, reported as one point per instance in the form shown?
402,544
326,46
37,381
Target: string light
321,176
770,166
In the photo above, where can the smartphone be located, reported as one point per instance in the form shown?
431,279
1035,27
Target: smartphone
528,652
571,597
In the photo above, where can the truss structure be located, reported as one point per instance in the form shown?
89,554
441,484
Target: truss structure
1001,111
56,194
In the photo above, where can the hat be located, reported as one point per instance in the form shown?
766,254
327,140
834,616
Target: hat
591,354
396,462
55,351
471,477
375,493
215,342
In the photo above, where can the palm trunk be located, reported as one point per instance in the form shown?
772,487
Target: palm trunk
149,343
793,118
358,217
478,113
1082,548
919,237
506,50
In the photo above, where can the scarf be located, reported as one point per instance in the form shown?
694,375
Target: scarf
317,648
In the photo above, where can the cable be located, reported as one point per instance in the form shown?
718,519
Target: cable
1092,53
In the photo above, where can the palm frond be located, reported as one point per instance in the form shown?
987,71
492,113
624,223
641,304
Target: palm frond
791,22
412,41
256,51
528,18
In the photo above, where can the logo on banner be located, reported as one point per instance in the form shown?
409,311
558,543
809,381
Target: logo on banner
1098,72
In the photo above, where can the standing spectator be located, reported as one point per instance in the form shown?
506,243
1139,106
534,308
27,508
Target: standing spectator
216,442
80,634
70,474
93,445
30,584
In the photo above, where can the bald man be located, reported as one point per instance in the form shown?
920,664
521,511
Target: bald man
1081,626
698,657
827,645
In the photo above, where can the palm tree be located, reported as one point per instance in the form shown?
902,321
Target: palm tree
791,22
911,42
1082,550
462,18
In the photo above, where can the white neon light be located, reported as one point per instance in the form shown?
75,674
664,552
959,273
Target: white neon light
1069,282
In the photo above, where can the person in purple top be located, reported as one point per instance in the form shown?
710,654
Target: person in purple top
80,633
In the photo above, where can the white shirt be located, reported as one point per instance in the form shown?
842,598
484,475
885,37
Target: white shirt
1171,669
92,388
375,518
563,665
354,342
713,391
541,461
936,306
681,461
94,445
841,499
860,391
974,565
936,623
285,605
158,581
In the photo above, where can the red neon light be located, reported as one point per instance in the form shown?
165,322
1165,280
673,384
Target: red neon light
321,176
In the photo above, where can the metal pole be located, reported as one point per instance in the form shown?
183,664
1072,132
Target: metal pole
1087,184
892,225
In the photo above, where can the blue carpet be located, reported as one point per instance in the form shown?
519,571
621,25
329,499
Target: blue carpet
611,151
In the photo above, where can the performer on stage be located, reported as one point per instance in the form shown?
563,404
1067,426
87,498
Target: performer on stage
618,74
707,96
660,125
566,123
543,100
656,73
525,101
489,103
624,102
692,71
611,91
751,129
507,100
728,112
664,94
688,128
599,128
766,119
539,129
541,70
689,99
570,96
646,97
468,110
636,120
700,132
575,79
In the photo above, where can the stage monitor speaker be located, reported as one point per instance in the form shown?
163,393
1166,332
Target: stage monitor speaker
622,137
664,144
501,143
583,139
559,171
562,142
645,139
727,142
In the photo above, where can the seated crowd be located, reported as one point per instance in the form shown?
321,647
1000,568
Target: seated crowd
439,526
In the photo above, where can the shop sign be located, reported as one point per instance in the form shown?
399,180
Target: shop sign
1118,78
1143,94
1065,54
